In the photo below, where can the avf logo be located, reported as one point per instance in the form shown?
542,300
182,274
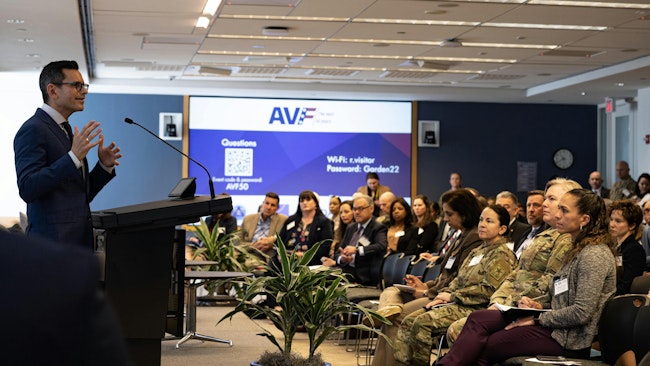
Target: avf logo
289,117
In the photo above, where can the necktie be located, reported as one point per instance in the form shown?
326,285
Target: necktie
354,240
68,129
450,242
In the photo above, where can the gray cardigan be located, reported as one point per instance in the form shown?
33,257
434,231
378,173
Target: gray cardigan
592,281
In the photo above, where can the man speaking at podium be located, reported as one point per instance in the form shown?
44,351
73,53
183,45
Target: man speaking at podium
51,165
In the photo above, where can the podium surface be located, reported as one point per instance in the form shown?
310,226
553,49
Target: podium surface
138,241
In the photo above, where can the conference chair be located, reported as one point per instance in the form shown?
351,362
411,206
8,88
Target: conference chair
616,326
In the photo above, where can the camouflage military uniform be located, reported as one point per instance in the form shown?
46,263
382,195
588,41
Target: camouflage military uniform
485,268
537,265
617,191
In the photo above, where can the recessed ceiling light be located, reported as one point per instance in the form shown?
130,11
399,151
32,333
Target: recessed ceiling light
15,21
26,40
583,93
33,55
435,12
620,84
202,22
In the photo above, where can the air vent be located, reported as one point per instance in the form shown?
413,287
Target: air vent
491,77
571,53
407,75
331,73
261,70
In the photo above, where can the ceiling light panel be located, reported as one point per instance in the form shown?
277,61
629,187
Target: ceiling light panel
331,8
273,46
417,10
569,17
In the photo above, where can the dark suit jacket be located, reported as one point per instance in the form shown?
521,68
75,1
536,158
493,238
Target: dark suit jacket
320,229
366,270
525,236
633,258
604,192
518,230
53,311
56,192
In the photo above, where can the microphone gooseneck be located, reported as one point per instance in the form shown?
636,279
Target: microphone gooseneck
210,183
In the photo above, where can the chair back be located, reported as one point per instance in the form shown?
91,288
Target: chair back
616,326
432,273
401,269
640,285
642,332
387,269
419,267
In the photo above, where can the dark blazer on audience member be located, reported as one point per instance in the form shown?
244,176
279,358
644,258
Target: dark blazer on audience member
320,229
525,236
518,230
427,239
604,192
366,268
53,310
56,192
633,260
408,243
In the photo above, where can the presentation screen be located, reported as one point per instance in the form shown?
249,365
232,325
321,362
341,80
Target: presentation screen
253,146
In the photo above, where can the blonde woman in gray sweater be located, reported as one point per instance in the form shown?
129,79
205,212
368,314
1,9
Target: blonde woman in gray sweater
577,294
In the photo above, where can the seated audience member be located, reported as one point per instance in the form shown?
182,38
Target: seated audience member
576,295
259,229
643,189
509,201
374,190
624,223
306,227
68,321
385,202
484,269
425,223
645,238
402,236
335,208
461,210
625,186
535,218
364,245
344,217
596,183
538,263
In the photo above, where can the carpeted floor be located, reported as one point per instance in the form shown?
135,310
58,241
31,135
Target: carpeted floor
247,346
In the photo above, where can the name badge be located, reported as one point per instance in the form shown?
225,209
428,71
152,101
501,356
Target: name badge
420,231
291,225
364,241
561,285
619,261
450,263
399,233
475,260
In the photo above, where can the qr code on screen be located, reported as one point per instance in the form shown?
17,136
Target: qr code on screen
238,162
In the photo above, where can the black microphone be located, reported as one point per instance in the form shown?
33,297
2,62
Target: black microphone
132,122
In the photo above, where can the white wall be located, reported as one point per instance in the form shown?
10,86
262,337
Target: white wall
20,98
642,128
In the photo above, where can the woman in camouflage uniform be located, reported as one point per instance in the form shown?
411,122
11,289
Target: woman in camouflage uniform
479,276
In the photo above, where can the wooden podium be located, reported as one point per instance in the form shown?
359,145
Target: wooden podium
138,241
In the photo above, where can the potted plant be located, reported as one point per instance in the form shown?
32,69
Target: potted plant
312,298
221,248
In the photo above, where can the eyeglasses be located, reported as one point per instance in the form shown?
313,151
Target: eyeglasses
646,210
357,209
76,84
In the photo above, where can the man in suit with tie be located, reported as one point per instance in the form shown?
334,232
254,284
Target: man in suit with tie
364,244
509,201
51,166
596,183
535,218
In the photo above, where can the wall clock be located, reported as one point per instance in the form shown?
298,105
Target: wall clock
563,158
